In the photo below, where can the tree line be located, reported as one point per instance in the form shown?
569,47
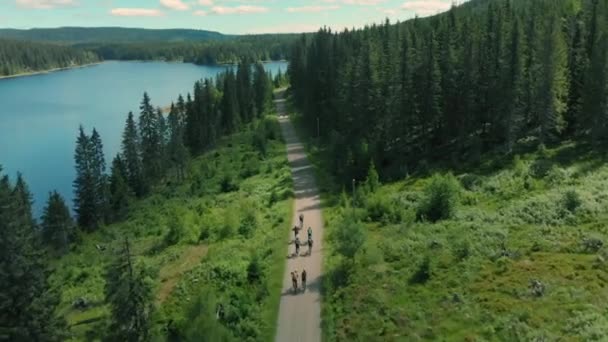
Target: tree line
228,50
21,57
18,56
155,148
479,78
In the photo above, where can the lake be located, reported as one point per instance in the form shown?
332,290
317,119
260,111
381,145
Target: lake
40,115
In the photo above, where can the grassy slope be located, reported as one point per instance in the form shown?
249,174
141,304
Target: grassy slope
510,227
217,264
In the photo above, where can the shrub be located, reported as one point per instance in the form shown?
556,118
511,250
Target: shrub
423,272
540,168
470,182
380,209
176,231
557,175
349,237
571,200
254,270
440,199
373,180
228,184
248,224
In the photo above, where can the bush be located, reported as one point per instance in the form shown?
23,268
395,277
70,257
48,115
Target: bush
373,180
254,271
423,272
440,199
228,184
540,168
176,231
380,209
248,224
470,182
571,200
349,237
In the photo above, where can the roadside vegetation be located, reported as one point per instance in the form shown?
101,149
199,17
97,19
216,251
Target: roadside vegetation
476,141
513,249
214,239
183,239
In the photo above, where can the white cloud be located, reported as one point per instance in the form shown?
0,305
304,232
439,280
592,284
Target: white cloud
294,28
389,12
136,12
200,13
177,5
426,7
312,9
45,4
357,2
243,9
205,2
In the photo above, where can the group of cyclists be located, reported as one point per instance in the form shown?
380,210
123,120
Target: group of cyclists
298,243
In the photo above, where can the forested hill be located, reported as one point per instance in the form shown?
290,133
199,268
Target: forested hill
481,77
22,57
76,35
229,50
191,46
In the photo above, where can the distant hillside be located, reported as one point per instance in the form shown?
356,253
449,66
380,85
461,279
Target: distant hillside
18,57
76,35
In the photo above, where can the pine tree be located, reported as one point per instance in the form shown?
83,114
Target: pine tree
178,153
120,193
150,140
554,85
85,187
514,118
577,65
100,179
163,134
23,199
244,92
229,106
595,101
27,308
262,87
129,293
57,224
132,157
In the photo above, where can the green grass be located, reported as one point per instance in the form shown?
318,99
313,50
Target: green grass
511,226
262,189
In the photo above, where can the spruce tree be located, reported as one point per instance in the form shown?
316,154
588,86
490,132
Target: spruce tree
57,224
229,106
27,307
85,187
120,193
129,293
554,85
132,157
262,87
150,140
178,153
163,134
100,179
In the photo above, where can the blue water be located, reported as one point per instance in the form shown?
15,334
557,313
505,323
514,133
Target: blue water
40,115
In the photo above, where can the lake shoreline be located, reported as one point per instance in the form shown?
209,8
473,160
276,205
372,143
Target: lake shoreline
49,71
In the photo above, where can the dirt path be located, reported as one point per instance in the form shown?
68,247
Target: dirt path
300,313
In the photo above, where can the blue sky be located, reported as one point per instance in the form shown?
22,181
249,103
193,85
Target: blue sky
226,16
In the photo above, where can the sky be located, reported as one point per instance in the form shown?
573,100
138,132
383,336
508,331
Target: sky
226,16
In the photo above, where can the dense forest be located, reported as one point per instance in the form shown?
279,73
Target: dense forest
45,49
79,35
481,77
22,57
156,153
254,47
